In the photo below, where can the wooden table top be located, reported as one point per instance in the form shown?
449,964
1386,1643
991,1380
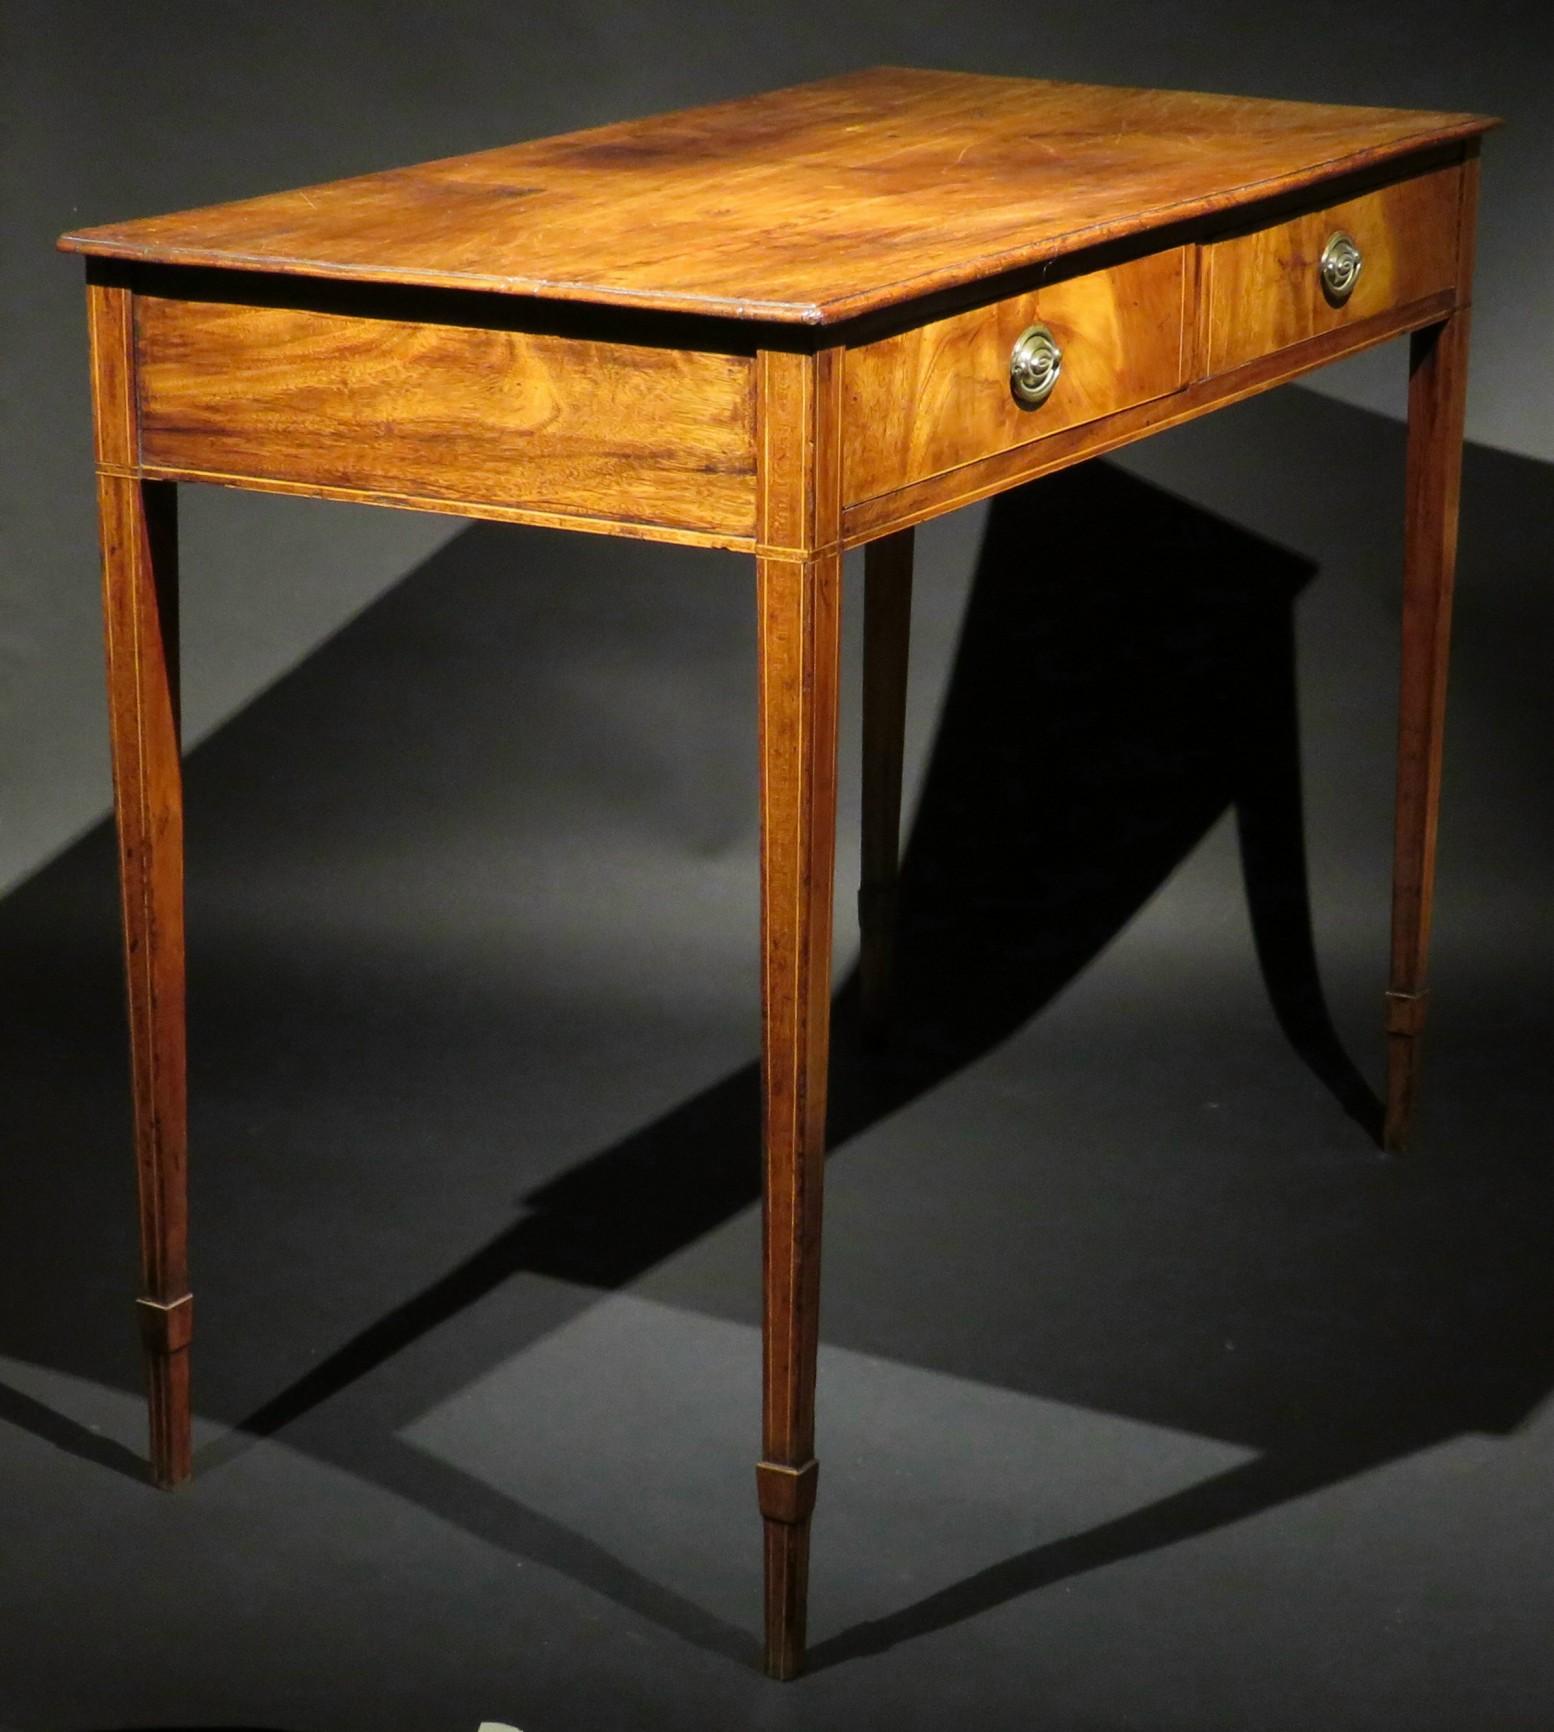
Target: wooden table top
804,206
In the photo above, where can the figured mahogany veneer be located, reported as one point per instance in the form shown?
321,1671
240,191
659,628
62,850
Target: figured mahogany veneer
783,325
560,427
809,205
937,396
1262,289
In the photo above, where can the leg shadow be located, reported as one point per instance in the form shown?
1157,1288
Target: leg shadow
1250,1489
69,1435
1108,703
1102,713
1270,825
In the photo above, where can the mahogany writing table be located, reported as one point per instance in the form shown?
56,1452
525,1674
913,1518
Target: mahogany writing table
791,325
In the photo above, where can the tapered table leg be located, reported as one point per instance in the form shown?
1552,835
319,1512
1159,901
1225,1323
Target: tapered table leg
140,589
799,606
1438,365
887,625
140,607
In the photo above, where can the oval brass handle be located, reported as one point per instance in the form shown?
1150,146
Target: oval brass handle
1340,266
1034,366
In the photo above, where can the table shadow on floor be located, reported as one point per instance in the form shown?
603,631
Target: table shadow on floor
1111,697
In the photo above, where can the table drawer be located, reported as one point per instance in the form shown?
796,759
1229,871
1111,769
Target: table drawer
408,412
938,396
1265,285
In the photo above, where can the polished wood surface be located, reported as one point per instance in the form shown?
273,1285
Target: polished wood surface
140,612
890,512
659,437
799,620
1264,292
921,220
1437,392
887,634
1437,403
806,205
937,396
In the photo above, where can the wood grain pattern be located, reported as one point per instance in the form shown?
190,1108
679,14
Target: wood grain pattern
799,650
937,396
940,212
1467,223
1437,394
866,519
140,601
887,632
806,205
533,516
560,425
1265,291
111,350
138,529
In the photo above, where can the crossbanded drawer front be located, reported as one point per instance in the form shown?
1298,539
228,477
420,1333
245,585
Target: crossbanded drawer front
933,398
1266,287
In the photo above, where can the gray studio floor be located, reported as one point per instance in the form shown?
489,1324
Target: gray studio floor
1151,1395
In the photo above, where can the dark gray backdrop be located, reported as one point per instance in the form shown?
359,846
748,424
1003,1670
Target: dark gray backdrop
114,111
1151,1396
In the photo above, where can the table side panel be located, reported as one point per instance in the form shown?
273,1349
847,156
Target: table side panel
554,425
932,398
1263,287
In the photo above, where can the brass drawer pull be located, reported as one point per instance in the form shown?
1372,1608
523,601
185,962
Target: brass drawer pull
1340,266
1034,366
